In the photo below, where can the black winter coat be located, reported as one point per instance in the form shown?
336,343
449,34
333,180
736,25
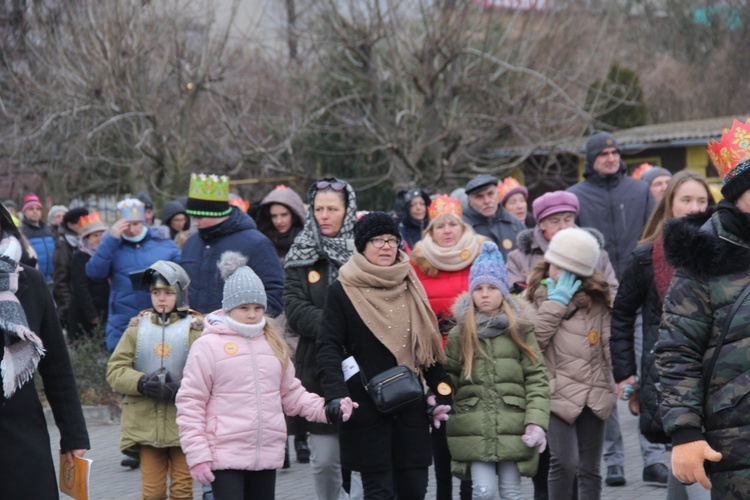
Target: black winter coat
26,463
371,441
304,297
637,289
90,298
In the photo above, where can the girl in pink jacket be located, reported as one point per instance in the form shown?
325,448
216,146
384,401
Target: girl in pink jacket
238,383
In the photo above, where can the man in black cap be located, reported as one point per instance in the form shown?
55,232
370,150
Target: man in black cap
619,207
487,217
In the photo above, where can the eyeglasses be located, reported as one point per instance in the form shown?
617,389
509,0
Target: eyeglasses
335,185
381,242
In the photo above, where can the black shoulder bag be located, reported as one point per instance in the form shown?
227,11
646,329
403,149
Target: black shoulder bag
393,389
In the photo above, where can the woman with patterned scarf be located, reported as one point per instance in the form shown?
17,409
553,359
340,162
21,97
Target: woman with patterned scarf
312,264
377,316
32,339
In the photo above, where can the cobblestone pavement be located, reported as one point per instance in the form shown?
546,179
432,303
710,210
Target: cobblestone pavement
109,480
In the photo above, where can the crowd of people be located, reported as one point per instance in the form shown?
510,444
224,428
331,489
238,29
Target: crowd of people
490,340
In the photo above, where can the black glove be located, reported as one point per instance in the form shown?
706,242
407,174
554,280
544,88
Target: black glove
153,387
153,376
333,411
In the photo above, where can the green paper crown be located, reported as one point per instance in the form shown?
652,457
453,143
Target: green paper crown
209,187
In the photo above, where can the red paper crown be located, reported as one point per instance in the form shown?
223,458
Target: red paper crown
444,204
89,219
642,169
240,203
733,148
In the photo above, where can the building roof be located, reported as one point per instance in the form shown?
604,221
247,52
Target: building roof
687,133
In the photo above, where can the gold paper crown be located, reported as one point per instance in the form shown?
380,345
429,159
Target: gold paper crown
209,187
508,184
89,219
733,148
444,204
642,169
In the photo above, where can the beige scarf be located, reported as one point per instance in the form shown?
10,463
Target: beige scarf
393,304
455,258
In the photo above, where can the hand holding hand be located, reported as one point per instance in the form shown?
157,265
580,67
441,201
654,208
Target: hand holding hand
535,436
437,413
334,413
202,473
562,291
687,462
347,407
626,388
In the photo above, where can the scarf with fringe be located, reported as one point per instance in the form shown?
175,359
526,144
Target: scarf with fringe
393,304
23,348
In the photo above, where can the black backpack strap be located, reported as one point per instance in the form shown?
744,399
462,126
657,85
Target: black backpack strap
720,343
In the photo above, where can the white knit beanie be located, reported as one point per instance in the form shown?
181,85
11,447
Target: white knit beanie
575,250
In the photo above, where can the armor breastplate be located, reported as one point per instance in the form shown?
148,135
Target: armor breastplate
150,350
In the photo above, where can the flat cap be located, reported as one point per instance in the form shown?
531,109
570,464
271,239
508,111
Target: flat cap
480,181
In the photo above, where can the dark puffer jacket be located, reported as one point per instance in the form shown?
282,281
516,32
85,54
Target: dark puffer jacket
619,207
239,234
638,289
712,268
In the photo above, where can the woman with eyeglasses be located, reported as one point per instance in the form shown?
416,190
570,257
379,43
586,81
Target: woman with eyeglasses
377,317
312,265
413,217
442,262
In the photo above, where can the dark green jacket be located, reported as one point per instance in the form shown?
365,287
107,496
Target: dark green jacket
506,392
712,269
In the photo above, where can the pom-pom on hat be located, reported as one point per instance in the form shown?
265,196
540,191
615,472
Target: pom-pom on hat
731,157
31,200
489,268
371,225
132,210
91,223
575,250
241,284
443,204
508,188
208,196
554,202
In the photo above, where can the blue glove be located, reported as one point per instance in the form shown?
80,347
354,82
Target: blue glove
562,291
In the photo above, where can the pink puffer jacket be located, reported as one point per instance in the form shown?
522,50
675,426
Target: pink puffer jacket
232,401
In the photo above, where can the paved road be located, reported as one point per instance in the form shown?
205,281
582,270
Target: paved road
111,481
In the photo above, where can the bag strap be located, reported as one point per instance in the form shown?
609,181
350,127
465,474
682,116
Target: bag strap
720,343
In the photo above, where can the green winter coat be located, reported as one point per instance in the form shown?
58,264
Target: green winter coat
505,394
144,420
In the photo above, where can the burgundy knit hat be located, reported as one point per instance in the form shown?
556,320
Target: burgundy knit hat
31,200
554,203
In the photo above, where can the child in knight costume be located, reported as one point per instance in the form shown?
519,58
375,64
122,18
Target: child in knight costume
147,367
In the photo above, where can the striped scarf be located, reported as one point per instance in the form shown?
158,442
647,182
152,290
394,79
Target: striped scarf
23,348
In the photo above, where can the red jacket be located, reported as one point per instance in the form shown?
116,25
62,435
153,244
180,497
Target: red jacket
442,291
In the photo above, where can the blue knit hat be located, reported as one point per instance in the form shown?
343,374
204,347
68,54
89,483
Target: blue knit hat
489,268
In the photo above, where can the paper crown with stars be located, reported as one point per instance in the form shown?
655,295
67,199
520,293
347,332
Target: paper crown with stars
208,196
731,157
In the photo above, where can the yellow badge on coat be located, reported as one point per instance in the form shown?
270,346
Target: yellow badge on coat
593,337
162,350
507,243
444,389
313,277
465,254
230,348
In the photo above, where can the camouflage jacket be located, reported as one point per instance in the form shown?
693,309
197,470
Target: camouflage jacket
712,268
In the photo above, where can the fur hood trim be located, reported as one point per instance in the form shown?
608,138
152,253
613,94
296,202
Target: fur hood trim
526,239
525,313
693,244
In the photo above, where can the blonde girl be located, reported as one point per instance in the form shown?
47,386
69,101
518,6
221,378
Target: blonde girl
501,403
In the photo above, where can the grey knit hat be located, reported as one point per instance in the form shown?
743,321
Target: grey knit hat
241,284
